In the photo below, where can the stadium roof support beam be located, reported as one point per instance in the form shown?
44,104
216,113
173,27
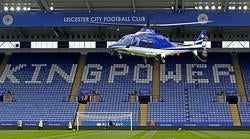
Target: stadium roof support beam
134,7
182,5
56,32
176,5
225,4
1,6
43,5
88,6
59,32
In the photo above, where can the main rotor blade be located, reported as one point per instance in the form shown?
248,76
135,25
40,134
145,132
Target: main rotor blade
151,25
179,24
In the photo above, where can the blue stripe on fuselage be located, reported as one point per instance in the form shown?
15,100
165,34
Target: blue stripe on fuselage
173,48
176,48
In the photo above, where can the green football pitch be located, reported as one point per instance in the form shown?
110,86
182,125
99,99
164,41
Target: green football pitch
122,134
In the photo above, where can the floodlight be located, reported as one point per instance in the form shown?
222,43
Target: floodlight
18,8
213,7
245,7
5,8
12,8
51,8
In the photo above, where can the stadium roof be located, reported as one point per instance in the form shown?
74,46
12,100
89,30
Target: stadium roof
121,5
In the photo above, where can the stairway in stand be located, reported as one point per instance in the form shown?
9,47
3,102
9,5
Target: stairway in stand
4,63
78,77
143,114
239,80
156,81
81,108
235,114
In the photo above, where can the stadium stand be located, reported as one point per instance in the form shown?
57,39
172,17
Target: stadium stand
244,63
188,92
245,106
115,79
41,84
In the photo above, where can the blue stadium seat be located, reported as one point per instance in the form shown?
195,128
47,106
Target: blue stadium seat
42,97
188,96
115,79
245,106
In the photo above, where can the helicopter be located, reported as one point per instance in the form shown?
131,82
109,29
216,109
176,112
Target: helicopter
148,42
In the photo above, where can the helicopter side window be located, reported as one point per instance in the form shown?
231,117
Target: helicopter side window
122,39
146,43
130,40
135,41
126,40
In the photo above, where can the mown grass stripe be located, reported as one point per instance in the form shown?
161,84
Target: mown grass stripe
73,133
138,135
84,134
123,134
199,134
149,135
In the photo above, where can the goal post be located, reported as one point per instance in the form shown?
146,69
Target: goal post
104,119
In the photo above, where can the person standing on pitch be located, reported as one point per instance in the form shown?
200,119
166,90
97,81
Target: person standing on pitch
40,124
19,125
70,126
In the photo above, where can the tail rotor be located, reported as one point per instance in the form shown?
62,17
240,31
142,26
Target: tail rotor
202,40
204,44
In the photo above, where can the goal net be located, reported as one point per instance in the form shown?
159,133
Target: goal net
104,119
